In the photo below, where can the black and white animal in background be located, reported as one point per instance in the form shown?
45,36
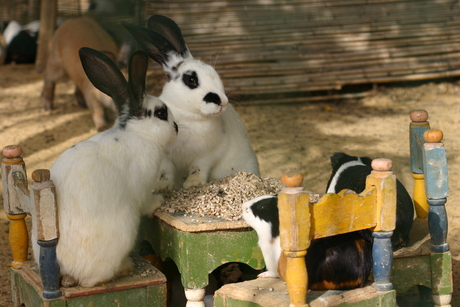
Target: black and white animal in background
106,183
350,172
213,141
338,262
21,42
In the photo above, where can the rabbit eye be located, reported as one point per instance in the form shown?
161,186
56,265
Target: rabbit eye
161,113
190,78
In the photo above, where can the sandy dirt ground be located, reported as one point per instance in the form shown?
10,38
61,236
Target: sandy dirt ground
286,138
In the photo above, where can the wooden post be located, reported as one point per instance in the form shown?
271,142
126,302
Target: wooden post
417,127
436,186
48,13
15,200
43,195
385,182
294,214
436,180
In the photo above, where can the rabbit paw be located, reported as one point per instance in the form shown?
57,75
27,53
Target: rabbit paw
68,281
166,183
155,203
194,180
126,267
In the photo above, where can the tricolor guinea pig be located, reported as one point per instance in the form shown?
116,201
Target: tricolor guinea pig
349,172
338,262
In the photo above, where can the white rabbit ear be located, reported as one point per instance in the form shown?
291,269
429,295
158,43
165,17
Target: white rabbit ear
106,77
137,71
159,48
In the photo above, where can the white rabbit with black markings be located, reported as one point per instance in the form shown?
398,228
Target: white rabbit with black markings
105,184
213,141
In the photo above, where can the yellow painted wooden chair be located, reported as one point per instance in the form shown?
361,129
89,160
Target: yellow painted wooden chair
302,221
425,263
40,286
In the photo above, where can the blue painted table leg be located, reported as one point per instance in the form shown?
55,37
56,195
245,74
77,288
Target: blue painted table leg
382,254
49,269
437,223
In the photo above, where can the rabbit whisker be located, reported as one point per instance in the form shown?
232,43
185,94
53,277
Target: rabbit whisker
215,61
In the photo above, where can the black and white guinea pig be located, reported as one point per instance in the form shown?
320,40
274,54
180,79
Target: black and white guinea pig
350,172
338,262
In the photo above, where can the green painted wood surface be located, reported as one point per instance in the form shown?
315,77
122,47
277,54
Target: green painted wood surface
26,292
28,295
441,273
230,302
199,253
433,271
410,271
145,296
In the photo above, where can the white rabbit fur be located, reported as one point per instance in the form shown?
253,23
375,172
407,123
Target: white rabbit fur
105,184
213,141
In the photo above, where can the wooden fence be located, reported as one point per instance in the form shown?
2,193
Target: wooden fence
266,48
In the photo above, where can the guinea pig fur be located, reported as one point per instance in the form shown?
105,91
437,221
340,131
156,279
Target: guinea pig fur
338,262
261,213
350,172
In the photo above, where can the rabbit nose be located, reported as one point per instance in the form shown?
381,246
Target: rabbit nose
176,128
213,98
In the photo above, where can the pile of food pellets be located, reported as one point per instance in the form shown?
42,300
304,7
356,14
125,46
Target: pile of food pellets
221,198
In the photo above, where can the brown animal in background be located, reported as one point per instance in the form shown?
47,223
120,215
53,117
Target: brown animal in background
63,60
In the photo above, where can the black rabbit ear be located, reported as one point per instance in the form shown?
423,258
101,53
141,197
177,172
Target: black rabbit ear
137,71
105,76
159,48
155,45
169,30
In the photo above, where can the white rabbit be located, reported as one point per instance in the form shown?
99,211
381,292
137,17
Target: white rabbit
105,184
213,141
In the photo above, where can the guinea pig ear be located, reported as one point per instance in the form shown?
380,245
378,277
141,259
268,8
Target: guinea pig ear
137,71
105,76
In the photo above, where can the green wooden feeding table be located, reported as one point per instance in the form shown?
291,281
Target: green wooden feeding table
199,245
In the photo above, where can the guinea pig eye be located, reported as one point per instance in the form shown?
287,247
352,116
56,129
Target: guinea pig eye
161,113
190,79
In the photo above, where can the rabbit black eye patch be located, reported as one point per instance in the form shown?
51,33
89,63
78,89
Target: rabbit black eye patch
190,79
161,113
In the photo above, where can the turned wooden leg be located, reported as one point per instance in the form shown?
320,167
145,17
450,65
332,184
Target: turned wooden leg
195,297
296,278
421,205
19,239
382,253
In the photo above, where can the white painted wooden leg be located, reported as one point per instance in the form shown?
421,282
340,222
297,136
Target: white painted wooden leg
195,297
442,300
